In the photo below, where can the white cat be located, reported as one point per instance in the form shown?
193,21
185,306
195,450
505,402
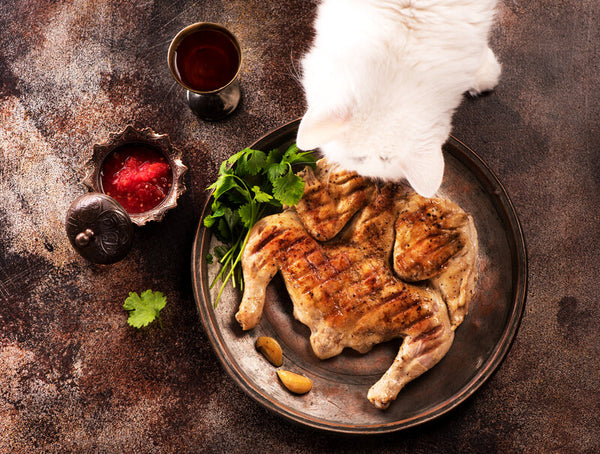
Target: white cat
384,78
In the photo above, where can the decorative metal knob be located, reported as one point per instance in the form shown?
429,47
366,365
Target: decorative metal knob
83,239
99,228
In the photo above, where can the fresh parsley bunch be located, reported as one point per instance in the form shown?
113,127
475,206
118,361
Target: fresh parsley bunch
251,184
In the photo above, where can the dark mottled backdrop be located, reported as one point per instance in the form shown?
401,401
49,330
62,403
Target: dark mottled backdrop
75,378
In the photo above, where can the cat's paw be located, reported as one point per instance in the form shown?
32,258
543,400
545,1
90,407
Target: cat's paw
488,74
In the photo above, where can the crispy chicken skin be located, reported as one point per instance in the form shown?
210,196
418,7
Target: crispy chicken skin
437,241
345,289
331,197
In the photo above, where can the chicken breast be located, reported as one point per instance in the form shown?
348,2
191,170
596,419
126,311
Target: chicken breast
345,289
331,197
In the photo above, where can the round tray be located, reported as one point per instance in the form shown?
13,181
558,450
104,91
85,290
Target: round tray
338,401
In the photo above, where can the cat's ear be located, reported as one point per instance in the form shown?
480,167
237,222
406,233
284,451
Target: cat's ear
319,127
425,170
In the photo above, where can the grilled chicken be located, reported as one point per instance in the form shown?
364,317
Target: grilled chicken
331,197
437,241
344,289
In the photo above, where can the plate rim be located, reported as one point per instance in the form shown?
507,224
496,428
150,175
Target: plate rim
501,200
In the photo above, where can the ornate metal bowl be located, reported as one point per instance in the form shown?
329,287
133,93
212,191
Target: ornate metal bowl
157,142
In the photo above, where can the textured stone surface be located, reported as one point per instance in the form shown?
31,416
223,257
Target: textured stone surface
75,378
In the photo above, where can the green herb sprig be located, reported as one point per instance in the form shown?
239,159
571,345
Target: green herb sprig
145,308
251,184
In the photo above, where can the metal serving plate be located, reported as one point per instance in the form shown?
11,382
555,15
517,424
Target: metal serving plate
338,401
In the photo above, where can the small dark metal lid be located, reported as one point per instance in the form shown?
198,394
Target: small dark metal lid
99,228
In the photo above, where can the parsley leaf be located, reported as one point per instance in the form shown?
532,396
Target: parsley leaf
261,196
276,170
251,184
288,188
255,161
224,183
144,308
246,214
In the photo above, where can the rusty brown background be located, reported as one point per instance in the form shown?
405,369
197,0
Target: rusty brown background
75,378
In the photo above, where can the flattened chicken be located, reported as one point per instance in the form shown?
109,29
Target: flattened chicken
345,290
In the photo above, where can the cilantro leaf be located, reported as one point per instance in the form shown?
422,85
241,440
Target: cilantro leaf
227,226
288,189
306,158
274,156
255,161
144,308
290,152
220,251
293,155
275,170
222,232
210,220
234,158
223,184
246,212
232,218
260,196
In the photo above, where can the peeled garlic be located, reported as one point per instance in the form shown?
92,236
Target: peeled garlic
296,383
270,349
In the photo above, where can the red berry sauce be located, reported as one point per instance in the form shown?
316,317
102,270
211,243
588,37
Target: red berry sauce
137,177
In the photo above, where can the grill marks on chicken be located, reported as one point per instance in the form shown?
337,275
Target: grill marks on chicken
437,241
344,289
425,240
331,197
347,299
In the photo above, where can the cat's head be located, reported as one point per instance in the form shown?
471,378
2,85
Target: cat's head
381,140
376,121
387,150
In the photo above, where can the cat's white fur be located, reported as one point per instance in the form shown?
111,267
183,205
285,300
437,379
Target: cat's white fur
384,77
